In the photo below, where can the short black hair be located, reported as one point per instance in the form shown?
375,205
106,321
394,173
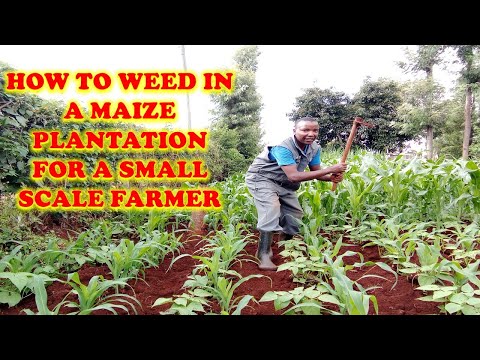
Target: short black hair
305,118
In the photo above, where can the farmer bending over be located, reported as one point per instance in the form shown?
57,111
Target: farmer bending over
274,177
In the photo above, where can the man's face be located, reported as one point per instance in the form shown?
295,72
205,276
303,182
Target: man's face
306,132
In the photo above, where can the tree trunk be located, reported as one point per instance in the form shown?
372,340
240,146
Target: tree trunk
468,122
429,142
429,71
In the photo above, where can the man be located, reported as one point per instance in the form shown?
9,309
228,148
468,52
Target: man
274,177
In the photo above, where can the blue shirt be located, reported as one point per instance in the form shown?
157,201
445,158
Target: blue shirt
283,156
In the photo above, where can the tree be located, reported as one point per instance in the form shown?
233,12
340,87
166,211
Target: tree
332,109
377,102
424,60
422,110
237,114
20,113
223,157
451,132
470,76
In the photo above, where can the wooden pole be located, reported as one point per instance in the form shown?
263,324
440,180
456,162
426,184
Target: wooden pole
189,118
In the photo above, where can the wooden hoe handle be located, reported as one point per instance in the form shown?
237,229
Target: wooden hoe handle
357,121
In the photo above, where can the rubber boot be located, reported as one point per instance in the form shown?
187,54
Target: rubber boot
264,252
287,236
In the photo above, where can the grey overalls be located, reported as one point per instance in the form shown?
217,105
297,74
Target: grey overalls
274,195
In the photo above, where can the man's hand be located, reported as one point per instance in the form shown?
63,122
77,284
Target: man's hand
336,178
338,168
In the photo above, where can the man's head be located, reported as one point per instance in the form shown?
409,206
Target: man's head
306,130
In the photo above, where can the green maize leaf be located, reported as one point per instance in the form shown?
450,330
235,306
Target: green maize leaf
349,253
40,296
387,268
108,307
241,304
375,303
357,300
74,277
337,247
